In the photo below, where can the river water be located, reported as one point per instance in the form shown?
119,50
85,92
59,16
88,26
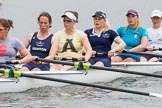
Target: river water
24,13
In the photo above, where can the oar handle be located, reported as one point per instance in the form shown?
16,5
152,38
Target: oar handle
55,61
72,59
9,62
159,49
100,54
19,57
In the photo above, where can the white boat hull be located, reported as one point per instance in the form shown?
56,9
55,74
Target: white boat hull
148,67
23,83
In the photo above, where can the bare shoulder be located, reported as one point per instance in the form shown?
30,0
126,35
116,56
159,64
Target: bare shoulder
54,39
29,36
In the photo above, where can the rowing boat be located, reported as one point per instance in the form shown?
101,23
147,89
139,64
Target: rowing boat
89,76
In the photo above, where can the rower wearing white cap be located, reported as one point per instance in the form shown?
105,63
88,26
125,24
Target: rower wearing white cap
69,42
155,35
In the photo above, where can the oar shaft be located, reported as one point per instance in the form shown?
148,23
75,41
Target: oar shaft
101,68
9,62
84,84
143,53
126,71
155,49
55,61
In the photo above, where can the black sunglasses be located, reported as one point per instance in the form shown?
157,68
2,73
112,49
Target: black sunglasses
156,17
1,29
67,20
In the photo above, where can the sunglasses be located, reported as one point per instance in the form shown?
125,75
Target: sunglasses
67,20
1,29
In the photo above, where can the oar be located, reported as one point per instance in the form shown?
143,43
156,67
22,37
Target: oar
9,62
19,57
88,66
142,53
66,59
159,49
19,74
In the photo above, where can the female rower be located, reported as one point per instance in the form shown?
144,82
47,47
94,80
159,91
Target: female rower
69,42
40,44
134,36
101,38
154,35
10,46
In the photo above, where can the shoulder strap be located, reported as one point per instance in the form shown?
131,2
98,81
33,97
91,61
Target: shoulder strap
35,34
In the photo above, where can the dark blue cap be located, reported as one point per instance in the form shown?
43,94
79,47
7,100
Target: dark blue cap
99,14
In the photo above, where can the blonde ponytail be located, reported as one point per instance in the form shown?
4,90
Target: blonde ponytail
107,25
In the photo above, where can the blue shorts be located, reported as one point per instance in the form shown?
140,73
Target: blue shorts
149,57
133,56
6,66
42,67
105,60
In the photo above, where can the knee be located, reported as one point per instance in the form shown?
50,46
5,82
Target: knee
143,59
116,59
129,60
24,69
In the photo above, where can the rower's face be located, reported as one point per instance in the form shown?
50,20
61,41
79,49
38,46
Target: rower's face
99,22
44,23
68,23
156,20
3,31
132,19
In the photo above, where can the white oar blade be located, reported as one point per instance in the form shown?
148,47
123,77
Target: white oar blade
155,95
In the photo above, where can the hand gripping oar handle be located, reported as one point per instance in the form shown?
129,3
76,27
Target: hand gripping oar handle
86,66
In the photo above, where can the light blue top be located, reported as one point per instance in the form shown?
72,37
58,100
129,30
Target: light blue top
131,38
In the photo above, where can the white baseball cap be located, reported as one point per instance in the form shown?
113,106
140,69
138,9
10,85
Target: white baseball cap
157,13
70,15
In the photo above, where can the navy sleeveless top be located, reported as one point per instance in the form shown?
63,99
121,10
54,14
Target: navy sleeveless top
40,48
103,43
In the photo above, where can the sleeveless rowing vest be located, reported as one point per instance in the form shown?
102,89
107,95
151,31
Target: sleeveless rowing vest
40,48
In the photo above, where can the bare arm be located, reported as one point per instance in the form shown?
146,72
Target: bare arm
142,46
28,41
121,45
27,56
87,47
53,49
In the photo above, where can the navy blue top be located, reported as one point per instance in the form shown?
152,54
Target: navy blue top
102,43
40,48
